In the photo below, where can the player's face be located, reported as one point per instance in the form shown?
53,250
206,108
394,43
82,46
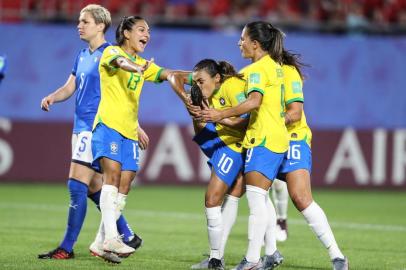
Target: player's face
246,45
205,82
139,36
87,27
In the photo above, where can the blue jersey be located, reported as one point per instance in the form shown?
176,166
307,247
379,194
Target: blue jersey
86,71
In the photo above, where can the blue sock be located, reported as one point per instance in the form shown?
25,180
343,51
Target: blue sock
77,213
122,226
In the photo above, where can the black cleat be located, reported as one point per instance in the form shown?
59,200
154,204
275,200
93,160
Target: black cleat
215,264
57,254
135,243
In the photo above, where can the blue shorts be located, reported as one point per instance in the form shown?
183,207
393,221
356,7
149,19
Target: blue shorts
299,156
106,142
226,164
208,139
264,161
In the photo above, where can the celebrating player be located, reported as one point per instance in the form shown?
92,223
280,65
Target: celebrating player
266,138
115,138
83,182
221,87
296,167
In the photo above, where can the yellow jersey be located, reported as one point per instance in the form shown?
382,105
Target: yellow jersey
267,123
230,94
293,92
120,92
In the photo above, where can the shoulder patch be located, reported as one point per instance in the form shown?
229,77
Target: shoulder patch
296,87
241,97
254,78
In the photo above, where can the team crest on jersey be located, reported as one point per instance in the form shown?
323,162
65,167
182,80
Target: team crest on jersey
113,147
254,78
222,101
95,59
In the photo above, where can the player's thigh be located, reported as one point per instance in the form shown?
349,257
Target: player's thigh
299,188
96,183
125,183
80,168
238,188
111,171
81,173
262,166
216,189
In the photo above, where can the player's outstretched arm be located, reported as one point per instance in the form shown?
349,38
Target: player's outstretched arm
235,122
253,102
293,112
61,94
130,66
177,79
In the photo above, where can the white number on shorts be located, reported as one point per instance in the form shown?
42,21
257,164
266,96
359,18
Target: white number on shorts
82,146
294,152
248,155
135,151
225,163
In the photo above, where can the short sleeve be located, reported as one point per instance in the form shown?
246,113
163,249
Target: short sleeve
293,86
153,72
256,81
75,65
109,54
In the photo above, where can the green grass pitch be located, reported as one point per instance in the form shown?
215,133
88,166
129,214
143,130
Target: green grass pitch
369,226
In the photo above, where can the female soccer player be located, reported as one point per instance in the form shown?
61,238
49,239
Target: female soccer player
222,87
296,167
115,137
94,21
266,138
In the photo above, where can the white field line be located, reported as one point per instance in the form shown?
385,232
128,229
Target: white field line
196,216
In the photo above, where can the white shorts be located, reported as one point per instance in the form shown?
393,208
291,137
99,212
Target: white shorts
82,148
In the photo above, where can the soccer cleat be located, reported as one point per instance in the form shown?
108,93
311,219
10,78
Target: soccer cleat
281,230
246,265
117,246
270,262
136,242
96,249
215,264
57,254
205,263
340,264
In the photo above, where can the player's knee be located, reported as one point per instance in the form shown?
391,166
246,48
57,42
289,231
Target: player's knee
213,200
301,201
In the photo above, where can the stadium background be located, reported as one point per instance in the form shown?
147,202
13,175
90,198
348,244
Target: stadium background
355,102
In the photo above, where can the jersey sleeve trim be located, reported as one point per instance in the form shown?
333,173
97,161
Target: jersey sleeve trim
255,89
158,74
294,100
190,79
108,62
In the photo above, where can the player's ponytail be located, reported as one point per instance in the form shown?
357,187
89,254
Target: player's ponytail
269,37
126,23
212,67
293,59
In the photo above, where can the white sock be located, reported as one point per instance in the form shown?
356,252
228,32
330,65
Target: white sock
229,212
214,230
108,205
318,222
100,233
280,196
257,221
121,201
270,233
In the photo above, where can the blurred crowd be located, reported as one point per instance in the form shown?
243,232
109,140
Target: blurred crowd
382,16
